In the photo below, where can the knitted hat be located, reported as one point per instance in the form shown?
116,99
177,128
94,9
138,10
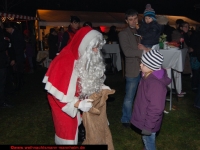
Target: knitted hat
149,12
152,59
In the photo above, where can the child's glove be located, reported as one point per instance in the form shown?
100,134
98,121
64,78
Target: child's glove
85,105
145,132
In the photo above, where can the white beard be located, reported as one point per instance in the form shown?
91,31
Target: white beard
90,68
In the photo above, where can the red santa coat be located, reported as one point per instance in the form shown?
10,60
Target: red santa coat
61,80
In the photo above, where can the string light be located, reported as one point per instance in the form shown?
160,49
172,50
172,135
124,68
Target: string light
10,18
3,19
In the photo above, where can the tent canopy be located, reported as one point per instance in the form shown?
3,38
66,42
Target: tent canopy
53,17
62,18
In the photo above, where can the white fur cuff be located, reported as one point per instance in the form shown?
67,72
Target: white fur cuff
70,109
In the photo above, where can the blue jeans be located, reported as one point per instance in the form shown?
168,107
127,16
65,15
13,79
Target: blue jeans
149,141
131,87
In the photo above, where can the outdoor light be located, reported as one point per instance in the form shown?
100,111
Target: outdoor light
3,19
10,18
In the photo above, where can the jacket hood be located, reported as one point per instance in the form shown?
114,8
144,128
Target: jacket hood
162,76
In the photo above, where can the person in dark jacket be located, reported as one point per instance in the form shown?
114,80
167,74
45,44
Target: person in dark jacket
132,54
113,35
18,47
3,68
53,43
195,52
149,29
150,99
72,29
166,29
192,39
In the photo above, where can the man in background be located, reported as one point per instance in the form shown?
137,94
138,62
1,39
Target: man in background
72,29
129,44
53,43
3,69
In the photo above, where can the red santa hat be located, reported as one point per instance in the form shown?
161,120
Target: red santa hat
61,77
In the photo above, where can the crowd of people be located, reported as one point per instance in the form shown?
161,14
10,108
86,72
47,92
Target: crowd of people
84,75
57,40
16,48
151,92
77,52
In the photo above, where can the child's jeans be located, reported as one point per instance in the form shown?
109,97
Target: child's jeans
149,141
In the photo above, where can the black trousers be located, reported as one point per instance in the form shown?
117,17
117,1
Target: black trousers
19,74
195,78
2,85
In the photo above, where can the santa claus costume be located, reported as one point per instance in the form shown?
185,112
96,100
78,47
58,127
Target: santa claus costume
61,82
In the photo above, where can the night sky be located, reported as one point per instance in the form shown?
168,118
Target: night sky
162,7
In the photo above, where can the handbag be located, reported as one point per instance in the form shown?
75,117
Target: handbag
195,64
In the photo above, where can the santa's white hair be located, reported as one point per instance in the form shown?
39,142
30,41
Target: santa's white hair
90,67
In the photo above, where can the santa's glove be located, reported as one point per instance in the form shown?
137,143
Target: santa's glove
105,87
85,105
145,132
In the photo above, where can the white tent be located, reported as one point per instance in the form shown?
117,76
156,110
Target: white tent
56,18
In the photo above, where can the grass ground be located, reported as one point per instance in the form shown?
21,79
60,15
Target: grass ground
30,121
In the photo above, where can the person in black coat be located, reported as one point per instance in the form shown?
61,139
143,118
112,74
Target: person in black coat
192,39
166,28
53,43
194,48
17,57
3,68
113,35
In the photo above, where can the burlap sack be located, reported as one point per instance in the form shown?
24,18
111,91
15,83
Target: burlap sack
96,122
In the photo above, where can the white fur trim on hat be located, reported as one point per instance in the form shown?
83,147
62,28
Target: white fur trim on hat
86,40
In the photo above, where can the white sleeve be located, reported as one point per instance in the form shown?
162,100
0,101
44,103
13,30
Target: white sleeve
70,109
